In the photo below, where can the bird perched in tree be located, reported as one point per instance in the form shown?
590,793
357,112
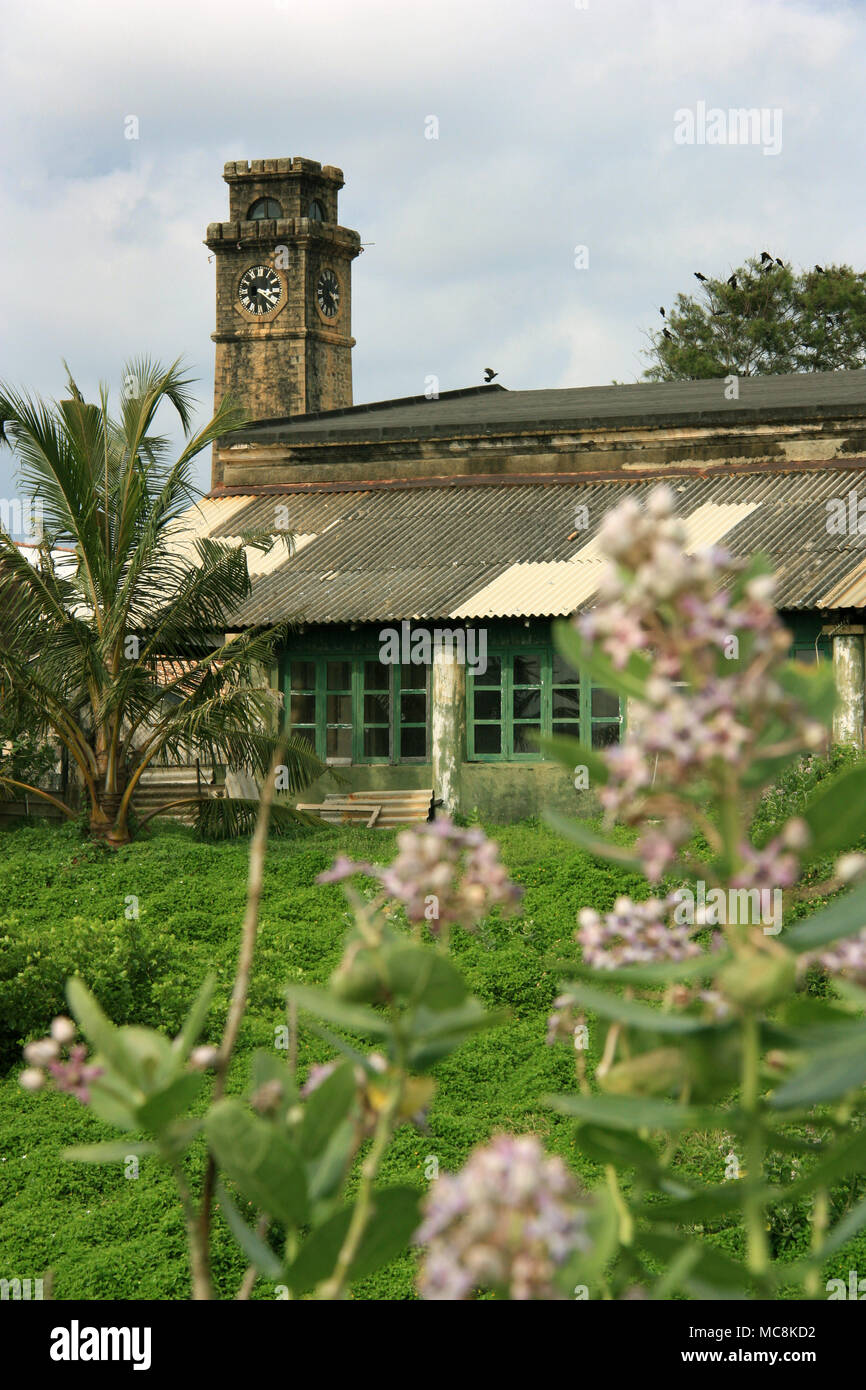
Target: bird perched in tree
489,374
666,333
662,312
699,276
765,257
820,269
778,262
733,282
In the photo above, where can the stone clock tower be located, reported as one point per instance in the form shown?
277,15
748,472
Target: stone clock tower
283,289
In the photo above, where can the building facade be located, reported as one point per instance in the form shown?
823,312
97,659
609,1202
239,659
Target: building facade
435,542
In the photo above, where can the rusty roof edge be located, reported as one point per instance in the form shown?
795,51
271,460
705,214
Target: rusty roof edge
613,475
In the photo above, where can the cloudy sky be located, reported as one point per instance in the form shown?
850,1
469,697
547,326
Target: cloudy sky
556,130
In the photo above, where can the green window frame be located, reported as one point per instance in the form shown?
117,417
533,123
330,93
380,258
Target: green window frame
529,692
353,708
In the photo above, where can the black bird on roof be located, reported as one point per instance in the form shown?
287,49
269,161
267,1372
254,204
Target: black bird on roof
489,374
699,276
733,282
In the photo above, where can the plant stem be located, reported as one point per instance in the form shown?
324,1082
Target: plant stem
334,1287
199,1262
240,989
758,1257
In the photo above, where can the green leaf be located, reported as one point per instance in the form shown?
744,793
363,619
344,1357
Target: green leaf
112,1105
259,1254
421,974
713,1275
632,1012
852,1222
196,1018
571,753
260,1159
326,1173
435,1035
813,687
829,1073
115,1151
654,973
836,814
104,1038
355,1017
590,840
586,657
627,1112
163,1106
616,1146
845,916
325,1108
391,1226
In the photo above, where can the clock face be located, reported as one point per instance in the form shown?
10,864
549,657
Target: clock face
260,289
328,293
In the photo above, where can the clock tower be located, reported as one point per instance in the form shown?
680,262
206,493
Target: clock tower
283,289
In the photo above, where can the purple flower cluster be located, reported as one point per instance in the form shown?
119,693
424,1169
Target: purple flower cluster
71,1073
507,1221
847,958
633,934
441,874
697,715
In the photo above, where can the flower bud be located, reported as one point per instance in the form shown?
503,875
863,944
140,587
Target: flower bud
202,1058
41,1052
32,1079
850,866
63,1030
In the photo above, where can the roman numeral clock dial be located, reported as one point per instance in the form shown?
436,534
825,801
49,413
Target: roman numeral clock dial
260,290
328,294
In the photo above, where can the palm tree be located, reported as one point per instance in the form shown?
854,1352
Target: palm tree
113,638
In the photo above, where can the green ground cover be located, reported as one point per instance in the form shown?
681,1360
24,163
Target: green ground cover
63,910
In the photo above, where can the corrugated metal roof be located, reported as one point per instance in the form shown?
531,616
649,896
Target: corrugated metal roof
509,550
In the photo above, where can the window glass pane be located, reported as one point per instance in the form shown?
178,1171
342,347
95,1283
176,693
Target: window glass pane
308,735
493,674
303,675
605,703
488,738
527,670
563,674
527,704
571,729
526,738
339,744
413,743
377,708
376,743
339,709
376,675
488,704
603,735
303,709
414,708
566,703
339,675
413,677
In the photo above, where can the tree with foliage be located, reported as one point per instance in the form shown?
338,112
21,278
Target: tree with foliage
112,638
762,320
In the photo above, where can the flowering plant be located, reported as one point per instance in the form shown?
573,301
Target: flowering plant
697,998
